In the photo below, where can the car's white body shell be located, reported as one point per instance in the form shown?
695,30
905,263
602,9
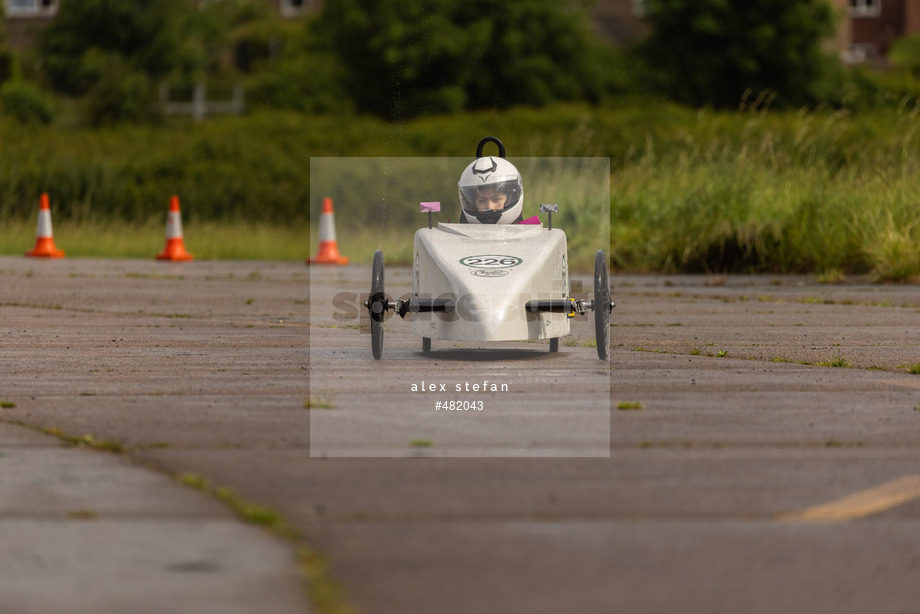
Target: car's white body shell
490,272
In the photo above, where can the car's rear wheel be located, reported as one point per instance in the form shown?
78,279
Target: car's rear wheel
377,304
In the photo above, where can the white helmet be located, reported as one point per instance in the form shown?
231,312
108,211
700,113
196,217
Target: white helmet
498,187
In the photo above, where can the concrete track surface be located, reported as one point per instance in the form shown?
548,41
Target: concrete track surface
763,455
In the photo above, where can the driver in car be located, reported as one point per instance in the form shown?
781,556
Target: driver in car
491,192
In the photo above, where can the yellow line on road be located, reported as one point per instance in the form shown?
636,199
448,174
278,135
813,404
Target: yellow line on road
861,504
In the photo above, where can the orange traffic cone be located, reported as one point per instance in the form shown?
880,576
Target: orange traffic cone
175,246
44,242
328,247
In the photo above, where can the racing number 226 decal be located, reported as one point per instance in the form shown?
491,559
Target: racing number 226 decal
490,261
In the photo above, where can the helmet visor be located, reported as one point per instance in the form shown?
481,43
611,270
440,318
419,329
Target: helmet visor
499,196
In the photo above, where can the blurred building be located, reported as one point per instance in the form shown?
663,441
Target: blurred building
619,21
871,26
25,17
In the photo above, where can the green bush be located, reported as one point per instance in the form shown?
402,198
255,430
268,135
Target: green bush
415,57
167,36
711,52
905,53
6,55
27,103
6,63
866,89
119,94
308,84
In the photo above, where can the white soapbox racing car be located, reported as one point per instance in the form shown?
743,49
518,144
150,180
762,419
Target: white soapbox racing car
490,282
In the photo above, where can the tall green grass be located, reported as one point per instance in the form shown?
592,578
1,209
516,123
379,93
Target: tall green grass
690,190
803,192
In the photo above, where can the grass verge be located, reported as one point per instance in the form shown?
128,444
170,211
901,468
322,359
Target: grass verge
206,240
324,592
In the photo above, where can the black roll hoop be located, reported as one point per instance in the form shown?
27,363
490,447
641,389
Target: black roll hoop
490,139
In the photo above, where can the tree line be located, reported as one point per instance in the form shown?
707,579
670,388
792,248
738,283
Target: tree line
400,59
